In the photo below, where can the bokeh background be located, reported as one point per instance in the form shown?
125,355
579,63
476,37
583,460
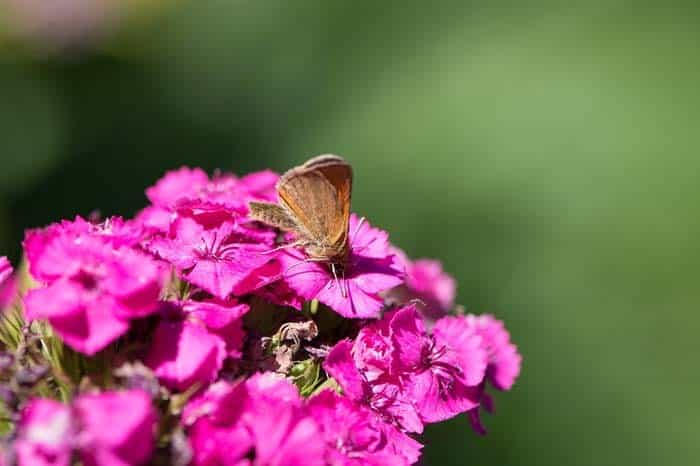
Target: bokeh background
546,152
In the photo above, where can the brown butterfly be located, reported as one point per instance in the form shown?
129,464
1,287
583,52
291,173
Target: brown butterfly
315,205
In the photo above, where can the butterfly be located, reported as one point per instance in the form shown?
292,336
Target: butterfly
315,205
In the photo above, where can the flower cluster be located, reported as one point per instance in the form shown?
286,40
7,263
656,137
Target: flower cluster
192,334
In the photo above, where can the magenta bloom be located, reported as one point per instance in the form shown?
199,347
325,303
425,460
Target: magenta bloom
218,260
355,436
155,220
268,282
216,432
408,376
8,283
117,231
438,289
191,193
177,184
503,358
222,318
371,269
5,269
426,282
117,428
284,434
193,339
260,422
45,435
365,378
92,288
440,380
105,429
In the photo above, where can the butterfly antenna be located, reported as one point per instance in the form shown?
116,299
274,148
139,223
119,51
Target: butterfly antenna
305,261
284,246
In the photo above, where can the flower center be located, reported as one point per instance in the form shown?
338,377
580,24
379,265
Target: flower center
215,249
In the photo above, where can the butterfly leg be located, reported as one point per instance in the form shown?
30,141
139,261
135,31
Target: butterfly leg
337,280
284,246
302,262
346,290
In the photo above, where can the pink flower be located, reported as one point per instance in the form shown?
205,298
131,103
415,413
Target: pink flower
379,390
177,184
371,268
155,220
259,422
183,353
429,280
118,232
222,318
45,434
440,380
355,436
215,430
191,193
218,260
8,283
5,269
58,241
261,185
268,282
503,358
193,339
105,429
92,287
408,376
284,434
117,428
426,282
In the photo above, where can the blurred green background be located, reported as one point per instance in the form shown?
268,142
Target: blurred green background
546,152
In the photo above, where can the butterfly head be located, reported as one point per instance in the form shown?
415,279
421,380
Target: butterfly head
331,254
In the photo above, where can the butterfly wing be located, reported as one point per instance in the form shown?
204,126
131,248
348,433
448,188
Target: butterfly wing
272,214
318,195
339,174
